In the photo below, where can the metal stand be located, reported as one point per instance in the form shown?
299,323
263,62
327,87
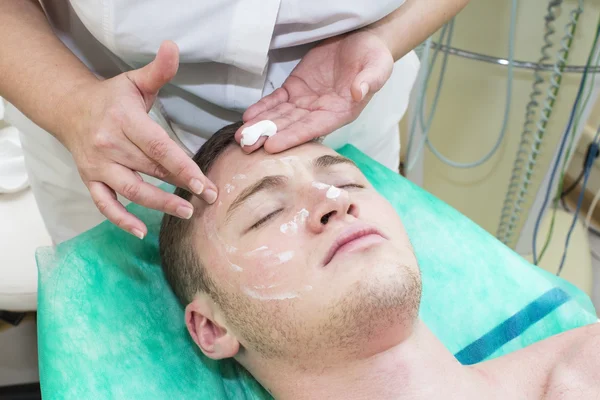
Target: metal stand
471,55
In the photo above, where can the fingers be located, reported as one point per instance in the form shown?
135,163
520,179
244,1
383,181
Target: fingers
161,149
130,185
359,90
150,78
266,103
283,116
259,143
313,124
132,157
372,77
271,114
107,203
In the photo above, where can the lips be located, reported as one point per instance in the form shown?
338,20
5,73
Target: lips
353,236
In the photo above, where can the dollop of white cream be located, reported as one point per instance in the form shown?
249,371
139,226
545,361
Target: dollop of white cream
333,192
251,134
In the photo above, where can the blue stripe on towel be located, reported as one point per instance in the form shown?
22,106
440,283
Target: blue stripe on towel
486,345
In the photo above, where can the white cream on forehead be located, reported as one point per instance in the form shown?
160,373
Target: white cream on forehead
251,134
229,187
238,176
268,162
333,192
289,159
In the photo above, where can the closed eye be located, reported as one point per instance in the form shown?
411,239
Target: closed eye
351,185
265,219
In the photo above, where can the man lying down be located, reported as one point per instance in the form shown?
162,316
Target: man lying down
304,274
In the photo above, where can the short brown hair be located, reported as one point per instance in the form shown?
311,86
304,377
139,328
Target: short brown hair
182,268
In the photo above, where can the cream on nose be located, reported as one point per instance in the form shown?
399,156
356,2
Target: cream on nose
333,192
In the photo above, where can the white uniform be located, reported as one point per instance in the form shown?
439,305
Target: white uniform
232,52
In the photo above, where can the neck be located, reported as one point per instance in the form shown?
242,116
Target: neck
420,367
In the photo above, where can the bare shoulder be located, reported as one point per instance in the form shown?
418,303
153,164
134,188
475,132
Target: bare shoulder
577,375
564,366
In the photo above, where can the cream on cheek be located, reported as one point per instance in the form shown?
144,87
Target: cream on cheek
269,272
266,271
258,271
224,250
291,227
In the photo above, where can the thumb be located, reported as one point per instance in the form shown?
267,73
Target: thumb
371,78
150,78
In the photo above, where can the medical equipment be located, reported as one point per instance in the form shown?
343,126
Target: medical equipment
111,328
579,107
525,174
588,167
588,217
531,143
567,134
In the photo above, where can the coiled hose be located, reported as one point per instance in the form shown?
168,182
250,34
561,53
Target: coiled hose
530,145
508,216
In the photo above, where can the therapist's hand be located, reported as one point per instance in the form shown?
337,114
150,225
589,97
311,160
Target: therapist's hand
112,138
328,89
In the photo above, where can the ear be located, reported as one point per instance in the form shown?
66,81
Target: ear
214,339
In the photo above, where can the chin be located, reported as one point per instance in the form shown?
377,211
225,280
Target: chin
382,298
384,257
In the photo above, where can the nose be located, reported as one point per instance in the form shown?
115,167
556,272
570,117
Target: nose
330,205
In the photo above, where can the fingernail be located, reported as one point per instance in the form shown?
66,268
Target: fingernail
364,89
184,212
210,196
137,233
196,186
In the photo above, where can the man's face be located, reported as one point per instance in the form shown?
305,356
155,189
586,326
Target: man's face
305,254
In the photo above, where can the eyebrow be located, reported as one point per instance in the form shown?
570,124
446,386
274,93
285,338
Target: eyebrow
265,183
329,160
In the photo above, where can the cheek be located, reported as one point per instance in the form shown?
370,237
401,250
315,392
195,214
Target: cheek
378,211
265,261
272,270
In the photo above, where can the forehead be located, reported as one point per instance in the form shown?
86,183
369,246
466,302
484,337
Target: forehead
235,163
